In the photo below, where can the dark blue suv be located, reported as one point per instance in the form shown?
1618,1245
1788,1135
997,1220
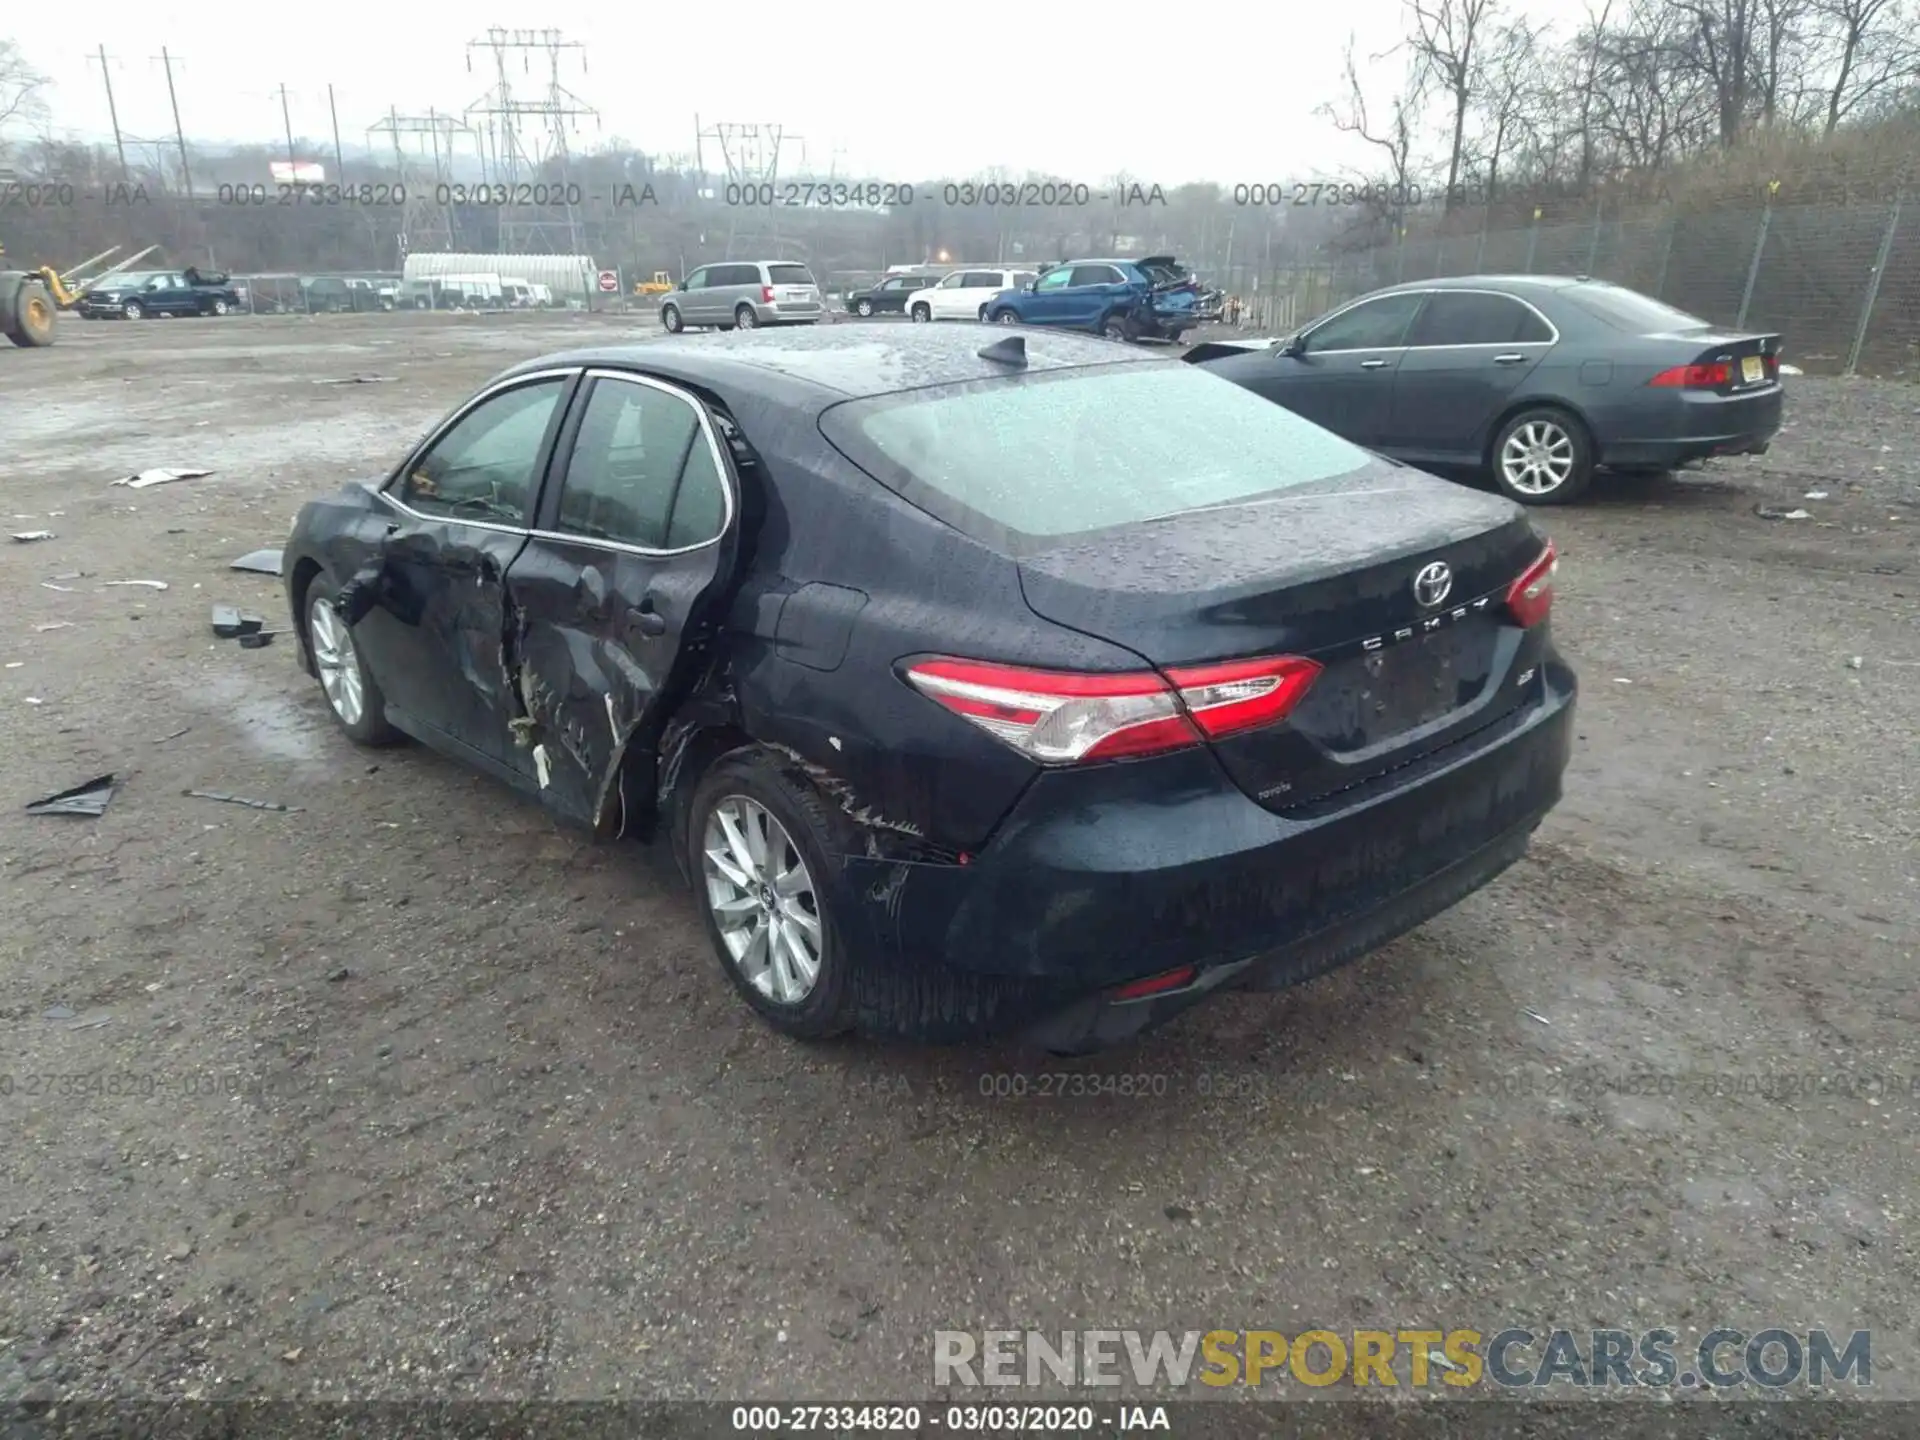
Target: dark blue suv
1155,298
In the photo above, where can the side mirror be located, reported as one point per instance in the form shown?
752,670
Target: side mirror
681,286
1294,346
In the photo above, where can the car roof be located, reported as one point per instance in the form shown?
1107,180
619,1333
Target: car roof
828,363
1491,282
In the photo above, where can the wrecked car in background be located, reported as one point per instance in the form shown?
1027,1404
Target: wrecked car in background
1207,698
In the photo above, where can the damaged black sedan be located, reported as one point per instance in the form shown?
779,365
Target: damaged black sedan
1013,684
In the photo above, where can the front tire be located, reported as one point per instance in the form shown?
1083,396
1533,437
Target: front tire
864,309
670,318
922,314
759,846
1543,456
353,695
133,310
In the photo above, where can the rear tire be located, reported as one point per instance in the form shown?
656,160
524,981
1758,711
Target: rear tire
745,318
30,323
1542,456
1004,317
1115,328
763,901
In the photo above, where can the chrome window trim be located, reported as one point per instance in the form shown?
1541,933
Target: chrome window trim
1450,289
713,447
441,431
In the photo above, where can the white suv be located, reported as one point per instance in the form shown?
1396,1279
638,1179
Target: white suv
964,294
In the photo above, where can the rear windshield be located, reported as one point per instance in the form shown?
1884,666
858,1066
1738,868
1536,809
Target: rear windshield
1631,311
789,275
1164,274
1036,458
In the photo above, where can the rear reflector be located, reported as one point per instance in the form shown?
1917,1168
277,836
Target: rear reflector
1531,596
1694,377
1157,984
1065,717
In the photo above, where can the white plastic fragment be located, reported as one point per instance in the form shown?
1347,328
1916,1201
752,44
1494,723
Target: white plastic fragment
162,476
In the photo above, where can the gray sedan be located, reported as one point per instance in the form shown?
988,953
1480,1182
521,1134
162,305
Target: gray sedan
1537,379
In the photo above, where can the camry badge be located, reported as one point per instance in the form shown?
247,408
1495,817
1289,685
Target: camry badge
1433,584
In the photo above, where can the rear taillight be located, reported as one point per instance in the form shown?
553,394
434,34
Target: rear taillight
1531,596
766,294
1694,377
1772,365
1066,717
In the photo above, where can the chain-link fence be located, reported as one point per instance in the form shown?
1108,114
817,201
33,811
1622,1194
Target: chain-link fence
1841,284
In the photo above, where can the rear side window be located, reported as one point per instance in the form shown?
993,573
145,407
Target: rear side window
735,275
1022,460
984,280
1454,317
789,275
1094,275
624,475
1631,311
1024,277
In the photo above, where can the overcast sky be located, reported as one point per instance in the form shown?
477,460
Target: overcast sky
874,89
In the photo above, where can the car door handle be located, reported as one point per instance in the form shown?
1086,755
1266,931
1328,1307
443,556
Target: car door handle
1373,364
1508,359
646,620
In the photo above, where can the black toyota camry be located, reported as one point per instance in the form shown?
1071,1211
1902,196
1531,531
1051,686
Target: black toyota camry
980,682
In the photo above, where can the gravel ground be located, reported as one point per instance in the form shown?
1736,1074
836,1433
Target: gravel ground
406,1092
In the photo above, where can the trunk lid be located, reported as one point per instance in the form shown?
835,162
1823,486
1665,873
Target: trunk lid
1752,361
1325,571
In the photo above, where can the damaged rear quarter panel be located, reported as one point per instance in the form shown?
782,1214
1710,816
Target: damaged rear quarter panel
894,761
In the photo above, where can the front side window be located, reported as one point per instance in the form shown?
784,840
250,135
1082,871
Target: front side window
1025,460
1379,324
1055,280
484,468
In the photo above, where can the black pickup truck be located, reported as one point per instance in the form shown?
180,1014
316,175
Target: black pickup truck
160,292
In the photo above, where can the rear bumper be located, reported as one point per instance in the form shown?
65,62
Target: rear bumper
1104,877
1697,427
788,313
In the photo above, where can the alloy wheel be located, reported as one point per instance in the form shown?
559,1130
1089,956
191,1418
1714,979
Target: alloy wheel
1537,458
336,659
762,899
746,318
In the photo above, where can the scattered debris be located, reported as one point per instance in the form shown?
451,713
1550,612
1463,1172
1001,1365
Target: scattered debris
343,973
69,575
290,1356
1855,662
54,625
1773,512
1536,1015
1814,495
1621,680
260,562
34,700
159,477
93,1023
49,585
26,537
359,380
59,1012
15,664
89,799
148,584
1791,370
227,799
174,736
259,639
229,623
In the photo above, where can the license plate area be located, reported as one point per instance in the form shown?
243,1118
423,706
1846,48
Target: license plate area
1751,370
1366,700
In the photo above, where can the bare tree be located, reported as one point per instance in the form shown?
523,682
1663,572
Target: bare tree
1780,58
1873,50
1719,44
21,85
1445,34
1507,78
1590,45
1393,136
1653,103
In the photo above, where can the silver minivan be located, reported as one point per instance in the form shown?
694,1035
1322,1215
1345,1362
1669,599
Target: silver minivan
744,294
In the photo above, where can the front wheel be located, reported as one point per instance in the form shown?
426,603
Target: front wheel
352,693
133,310
922,314
864,309
1543,457
670,318
760,849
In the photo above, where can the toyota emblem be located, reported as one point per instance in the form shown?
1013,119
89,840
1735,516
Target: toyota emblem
1433,584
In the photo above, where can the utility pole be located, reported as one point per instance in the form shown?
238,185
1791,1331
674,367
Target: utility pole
339,160
286,116
179,133
113,114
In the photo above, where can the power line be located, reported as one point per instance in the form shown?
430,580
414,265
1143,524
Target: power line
527,135
179,133
113,112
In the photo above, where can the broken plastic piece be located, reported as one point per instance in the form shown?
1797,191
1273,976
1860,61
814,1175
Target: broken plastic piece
260,562
159,477
1010,351
229,623
89,799
28,536
148,584
359,380
227,799
257,639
